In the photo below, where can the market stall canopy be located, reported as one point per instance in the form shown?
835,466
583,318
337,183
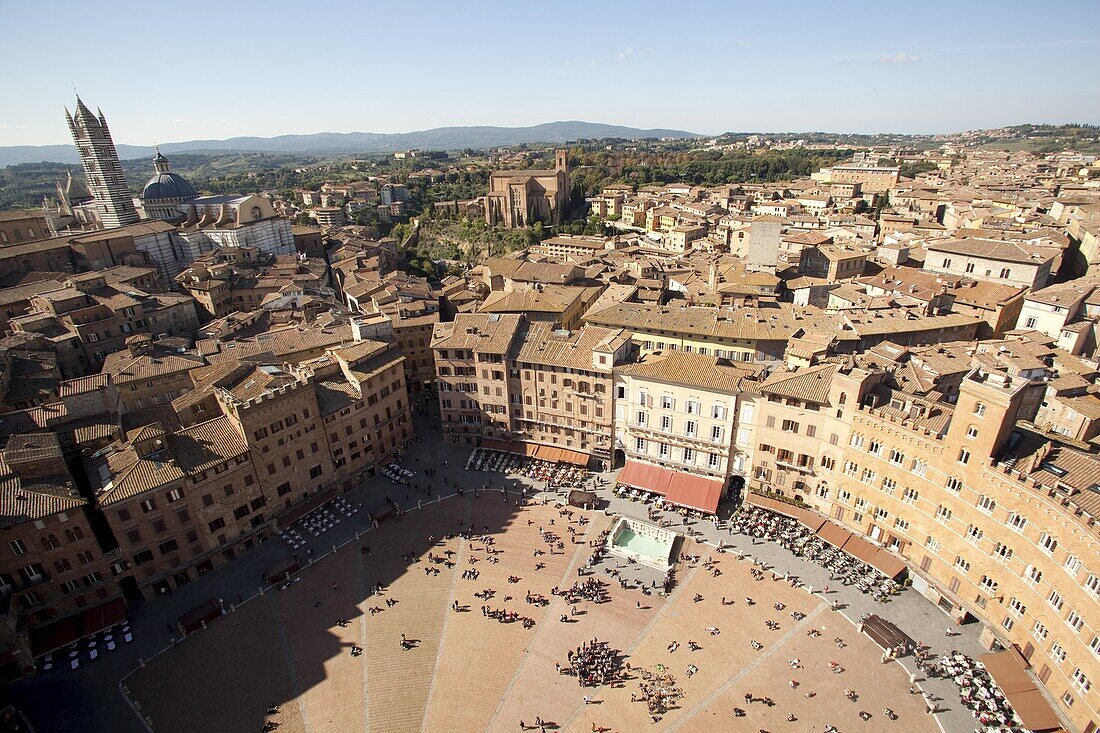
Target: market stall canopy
580,498
203,613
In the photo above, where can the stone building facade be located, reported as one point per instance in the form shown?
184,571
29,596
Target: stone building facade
994,520
502,377
519,198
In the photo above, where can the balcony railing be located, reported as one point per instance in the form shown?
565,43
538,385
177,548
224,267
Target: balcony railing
800,467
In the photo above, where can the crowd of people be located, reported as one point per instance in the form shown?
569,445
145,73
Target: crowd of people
553,474
592,590
505,616
593,663
658,691
977,691
762,524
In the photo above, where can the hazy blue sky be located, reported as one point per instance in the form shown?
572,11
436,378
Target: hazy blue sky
200,69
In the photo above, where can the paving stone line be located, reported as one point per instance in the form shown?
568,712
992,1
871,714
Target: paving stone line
644,633
455,573
756,662
361,587
289,657
577,552
667,604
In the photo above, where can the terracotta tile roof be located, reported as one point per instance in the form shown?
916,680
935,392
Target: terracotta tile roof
125,368
333,396
186,452
261,380
82,385
524,271
487,333
879,322
680,367
27,291
353,354
207,444
808,384
43,417
1064,294
547,299
132,230
31,447
774,322
1087,405
994,249
284,342
35,498
541,343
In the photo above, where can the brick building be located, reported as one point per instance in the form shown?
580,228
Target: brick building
51,565
502,377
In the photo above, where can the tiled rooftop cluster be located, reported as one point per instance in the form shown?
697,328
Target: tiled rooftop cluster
914,358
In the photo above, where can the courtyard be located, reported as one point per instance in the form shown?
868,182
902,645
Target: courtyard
294,647
463,671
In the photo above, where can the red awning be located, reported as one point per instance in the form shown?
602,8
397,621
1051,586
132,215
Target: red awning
683,489
887,564
807,517
54,636
639,475
528,449
663,482
549,453
860,549
78,626
834,534
812,521
574,457
694,492
104,617
1009,670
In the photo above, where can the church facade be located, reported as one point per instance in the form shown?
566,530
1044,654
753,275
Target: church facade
519,198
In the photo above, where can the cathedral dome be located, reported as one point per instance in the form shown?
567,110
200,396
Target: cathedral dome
168,186
165,184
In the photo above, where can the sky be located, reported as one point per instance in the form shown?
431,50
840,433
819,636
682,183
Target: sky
196,69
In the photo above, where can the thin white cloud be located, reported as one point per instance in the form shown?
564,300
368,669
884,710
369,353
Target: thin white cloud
900,58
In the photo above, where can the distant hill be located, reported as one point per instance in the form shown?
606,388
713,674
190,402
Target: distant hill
351,143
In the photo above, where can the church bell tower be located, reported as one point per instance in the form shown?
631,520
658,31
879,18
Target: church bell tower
102,171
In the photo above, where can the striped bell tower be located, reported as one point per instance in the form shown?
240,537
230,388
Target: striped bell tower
102,171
